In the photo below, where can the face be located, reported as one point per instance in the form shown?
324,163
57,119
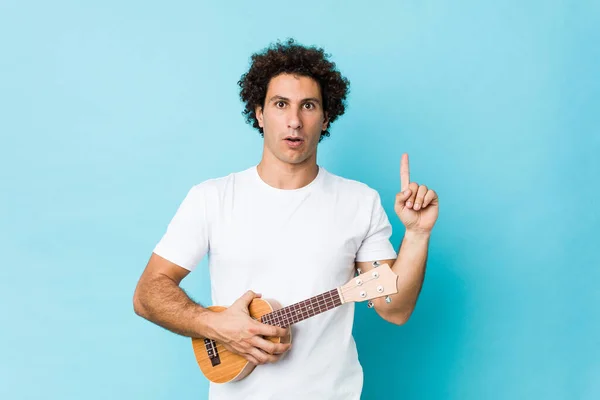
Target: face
292,119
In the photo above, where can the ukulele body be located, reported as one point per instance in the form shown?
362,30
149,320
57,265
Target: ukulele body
218,364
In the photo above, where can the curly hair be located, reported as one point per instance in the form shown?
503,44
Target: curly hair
289,57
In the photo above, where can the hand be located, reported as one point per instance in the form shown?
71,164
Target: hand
416,205
240,334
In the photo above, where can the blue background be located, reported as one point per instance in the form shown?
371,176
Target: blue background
110,111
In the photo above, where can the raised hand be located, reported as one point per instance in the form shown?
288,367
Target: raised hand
416,205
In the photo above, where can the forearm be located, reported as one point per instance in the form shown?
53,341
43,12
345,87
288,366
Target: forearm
160,300
410,268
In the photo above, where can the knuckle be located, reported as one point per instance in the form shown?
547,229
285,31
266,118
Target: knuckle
241,348
268,358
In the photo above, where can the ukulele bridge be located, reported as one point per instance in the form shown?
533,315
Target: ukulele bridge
213,354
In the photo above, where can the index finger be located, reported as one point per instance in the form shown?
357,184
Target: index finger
404,173
268,346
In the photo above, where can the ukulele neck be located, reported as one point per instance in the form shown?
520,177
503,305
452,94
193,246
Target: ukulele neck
297,312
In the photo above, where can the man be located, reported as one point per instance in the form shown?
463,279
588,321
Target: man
289,229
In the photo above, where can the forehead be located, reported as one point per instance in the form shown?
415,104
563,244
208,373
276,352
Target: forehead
293,87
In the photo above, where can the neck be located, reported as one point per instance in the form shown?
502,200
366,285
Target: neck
282,175
289,315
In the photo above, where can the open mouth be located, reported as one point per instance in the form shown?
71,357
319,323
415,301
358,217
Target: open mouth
294,142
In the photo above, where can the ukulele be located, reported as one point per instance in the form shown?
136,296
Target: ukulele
220,365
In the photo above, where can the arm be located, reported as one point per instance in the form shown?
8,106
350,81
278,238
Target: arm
410,268
417,206
159,299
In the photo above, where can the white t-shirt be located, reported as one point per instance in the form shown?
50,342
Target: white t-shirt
288,245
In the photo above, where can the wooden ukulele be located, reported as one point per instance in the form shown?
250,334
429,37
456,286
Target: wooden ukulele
220,365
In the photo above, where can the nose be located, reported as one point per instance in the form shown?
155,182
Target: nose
294,119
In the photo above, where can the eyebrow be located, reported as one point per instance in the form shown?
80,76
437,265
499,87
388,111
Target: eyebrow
277,97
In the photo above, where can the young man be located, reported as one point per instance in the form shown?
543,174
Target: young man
289,229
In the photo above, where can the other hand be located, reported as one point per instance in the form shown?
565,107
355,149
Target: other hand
416,205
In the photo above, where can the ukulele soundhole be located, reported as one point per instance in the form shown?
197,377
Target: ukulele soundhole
213,354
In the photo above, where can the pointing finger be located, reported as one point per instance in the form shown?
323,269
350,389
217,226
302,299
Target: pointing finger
404,173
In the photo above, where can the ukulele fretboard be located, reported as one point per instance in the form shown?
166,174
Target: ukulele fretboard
289,315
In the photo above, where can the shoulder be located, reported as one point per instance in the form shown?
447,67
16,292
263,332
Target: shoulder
351,187
219,184
208,195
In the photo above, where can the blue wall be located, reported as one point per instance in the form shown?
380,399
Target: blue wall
109,112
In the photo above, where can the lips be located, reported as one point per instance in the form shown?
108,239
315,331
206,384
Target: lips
294,139
293,142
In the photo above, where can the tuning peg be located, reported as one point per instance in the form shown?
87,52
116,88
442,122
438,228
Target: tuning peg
376,264
370,304
388,299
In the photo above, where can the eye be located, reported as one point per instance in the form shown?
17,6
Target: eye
280,104
309,106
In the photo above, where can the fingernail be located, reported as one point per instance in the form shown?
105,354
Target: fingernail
417,206
408,204
407,191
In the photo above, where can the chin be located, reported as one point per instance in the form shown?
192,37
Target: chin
294,160
291,156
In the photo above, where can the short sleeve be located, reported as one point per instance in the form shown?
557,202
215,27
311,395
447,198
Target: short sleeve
376,245
185,241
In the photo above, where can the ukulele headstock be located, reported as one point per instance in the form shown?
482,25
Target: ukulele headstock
378,282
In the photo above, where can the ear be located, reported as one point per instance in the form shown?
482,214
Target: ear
325,122
259,115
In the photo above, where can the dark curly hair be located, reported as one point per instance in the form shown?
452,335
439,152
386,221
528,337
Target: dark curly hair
292,58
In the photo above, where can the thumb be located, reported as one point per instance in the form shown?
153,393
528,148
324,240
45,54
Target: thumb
246,299
402,197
